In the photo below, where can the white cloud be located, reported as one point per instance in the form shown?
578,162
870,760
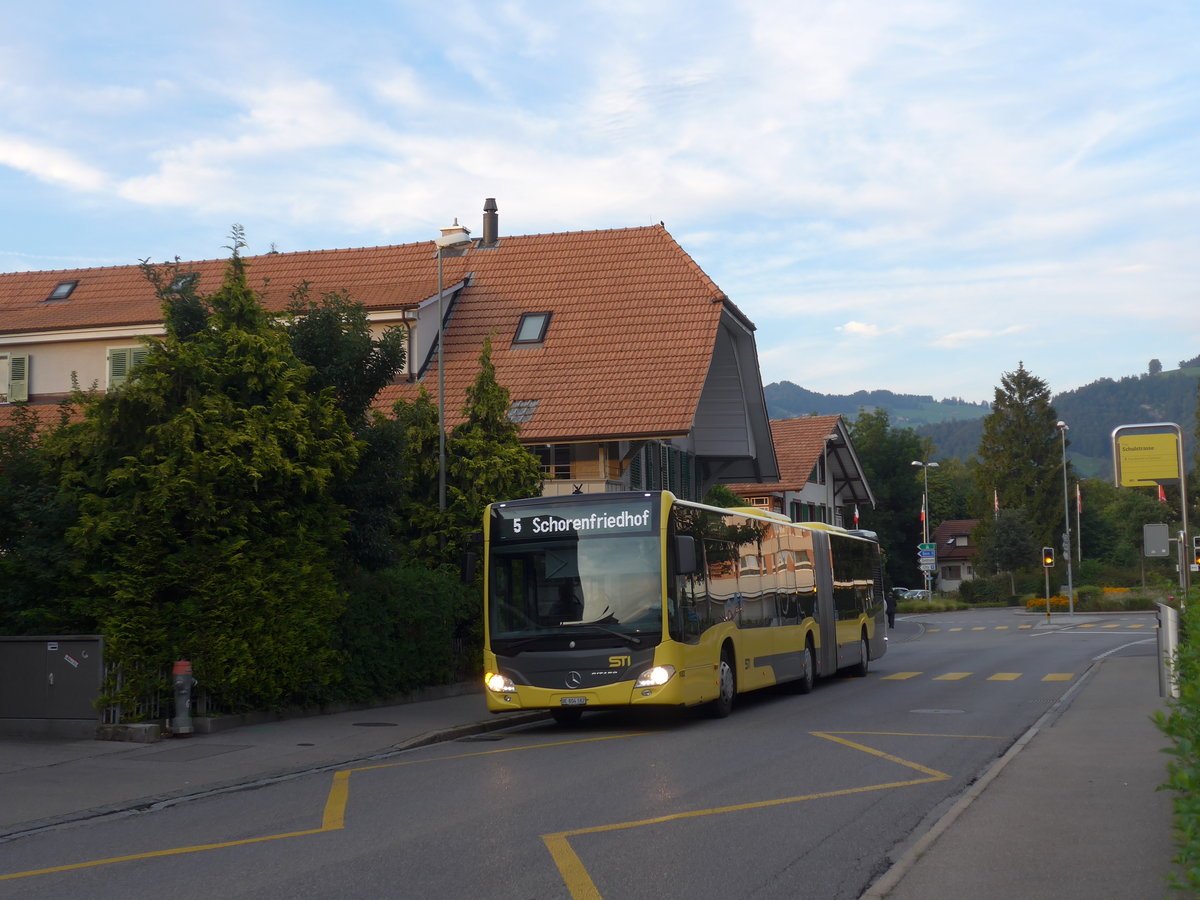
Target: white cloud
860,329
50,164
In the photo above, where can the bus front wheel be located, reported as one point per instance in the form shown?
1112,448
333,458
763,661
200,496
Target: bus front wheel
860,671
726,688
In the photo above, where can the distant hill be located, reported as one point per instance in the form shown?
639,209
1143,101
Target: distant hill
955,426
789,401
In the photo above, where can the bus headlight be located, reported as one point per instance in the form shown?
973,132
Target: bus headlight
499,684
655,677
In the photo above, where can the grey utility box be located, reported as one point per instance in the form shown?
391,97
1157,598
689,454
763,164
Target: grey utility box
49,685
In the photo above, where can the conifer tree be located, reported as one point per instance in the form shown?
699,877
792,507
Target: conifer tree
1020,455
206,523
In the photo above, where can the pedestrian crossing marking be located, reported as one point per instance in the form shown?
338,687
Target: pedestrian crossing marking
1005,676
900,676
953,676
1058,676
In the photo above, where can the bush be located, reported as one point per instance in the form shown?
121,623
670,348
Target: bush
984,591
409,627
1182,726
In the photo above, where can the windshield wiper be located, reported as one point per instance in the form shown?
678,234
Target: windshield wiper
633,641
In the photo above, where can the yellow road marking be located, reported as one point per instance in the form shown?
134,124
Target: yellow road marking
1136,626
1023,627
1110,626
1088,625
956,629
1059,676
1002,628
333,818
1005,676
580,884
953,676
899,676
932,630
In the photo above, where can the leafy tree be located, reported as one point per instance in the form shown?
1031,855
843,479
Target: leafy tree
1020,457
1155,367
886,455
206,521
1007,544
333,336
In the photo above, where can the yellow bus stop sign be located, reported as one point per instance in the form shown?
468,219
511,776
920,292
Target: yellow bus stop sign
1145,457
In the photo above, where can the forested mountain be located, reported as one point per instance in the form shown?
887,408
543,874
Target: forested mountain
789,401
955,426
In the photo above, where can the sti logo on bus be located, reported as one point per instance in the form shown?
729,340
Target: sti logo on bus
617,662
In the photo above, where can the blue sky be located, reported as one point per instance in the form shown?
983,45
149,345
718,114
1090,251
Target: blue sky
914,195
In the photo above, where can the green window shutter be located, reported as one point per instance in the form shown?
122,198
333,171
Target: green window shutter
118,366
18,378
121,362
635,472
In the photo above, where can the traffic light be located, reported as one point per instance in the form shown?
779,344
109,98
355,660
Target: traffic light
1048,557
1196,549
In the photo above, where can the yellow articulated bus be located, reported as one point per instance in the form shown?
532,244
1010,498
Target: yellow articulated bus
595,601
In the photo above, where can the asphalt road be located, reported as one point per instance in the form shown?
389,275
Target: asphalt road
791,796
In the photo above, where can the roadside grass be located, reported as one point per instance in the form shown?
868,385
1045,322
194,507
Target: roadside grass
1181,724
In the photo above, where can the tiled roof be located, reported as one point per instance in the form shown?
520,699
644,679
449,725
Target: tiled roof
626,354
946,532
798,445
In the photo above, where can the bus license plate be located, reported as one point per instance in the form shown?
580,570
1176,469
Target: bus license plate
574,701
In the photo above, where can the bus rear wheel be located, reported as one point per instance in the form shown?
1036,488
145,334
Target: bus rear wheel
727,688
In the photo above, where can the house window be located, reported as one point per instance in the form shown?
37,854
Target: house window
121,362
532,328
184,280
62,290
556,461
521,411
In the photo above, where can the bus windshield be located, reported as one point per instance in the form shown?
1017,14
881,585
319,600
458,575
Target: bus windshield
577,586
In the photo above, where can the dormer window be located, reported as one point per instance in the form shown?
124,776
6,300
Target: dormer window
532,328
62,290
183,281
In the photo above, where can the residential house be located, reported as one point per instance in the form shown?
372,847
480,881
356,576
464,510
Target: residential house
820,478
955,549
627,367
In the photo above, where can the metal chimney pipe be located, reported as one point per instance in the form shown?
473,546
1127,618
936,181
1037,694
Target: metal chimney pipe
491,223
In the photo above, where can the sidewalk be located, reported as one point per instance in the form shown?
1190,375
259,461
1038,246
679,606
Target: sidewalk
45,782
1071,811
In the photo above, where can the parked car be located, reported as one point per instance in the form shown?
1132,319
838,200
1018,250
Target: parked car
916,594
899,592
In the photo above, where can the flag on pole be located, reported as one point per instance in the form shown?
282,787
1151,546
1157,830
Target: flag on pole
995,500
922,509
855,515
1078,500
1162,494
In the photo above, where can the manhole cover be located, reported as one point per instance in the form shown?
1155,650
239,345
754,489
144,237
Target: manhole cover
374,724
939,712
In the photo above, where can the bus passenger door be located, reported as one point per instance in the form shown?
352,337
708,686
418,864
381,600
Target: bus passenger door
826,614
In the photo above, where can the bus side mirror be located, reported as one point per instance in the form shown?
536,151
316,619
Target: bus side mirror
685,555
467,562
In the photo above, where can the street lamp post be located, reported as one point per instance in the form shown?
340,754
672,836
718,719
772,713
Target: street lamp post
1062,430
456,237
925,467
